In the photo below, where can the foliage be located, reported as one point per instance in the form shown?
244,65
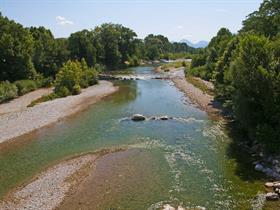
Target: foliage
8,91
245,69
81,46
44,49
176,64
25,86
256,101
68,76
16,48
44,98
265,21
72,76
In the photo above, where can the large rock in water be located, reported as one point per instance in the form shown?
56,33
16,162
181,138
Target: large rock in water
138,117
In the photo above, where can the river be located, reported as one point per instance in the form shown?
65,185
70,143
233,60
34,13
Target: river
183,161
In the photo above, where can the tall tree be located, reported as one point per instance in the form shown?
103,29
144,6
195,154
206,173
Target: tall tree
44,51
265,21
81,46
16,48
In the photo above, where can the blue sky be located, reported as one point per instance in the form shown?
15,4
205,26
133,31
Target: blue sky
177,19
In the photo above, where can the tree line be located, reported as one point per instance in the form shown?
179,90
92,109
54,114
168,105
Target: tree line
33,57
25,52
245,69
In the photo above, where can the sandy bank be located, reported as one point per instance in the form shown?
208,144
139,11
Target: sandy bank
22,102
48,189
204,101
25,120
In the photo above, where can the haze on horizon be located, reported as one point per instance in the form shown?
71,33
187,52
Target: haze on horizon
177,19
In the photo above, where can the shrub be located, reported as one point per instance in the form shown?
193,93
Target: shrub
44,98
92,77
45,82
25,86
8,91
198,72
76,89
73,76
99,67
89,77
62,91
68,76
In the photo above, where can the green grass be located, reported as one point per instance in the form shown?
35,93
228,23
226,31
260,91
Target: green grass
44,98
177,64
199,84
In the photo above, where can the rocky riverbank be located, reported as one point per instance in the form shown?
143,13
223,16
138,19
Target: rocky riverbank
48,189
27,119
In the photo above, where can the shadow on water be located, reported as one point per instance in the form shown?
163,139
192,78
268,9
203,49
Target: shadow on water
126,93
238,151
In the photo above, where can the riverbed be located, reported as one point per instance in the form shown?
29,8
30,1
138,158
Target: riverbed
181,161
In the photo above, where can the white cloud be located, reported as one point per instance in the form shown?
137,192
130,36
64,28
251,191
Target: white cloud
63,21
179,27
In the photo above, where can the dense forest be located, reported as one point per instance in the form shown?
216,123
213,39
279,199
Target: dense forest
245,69
31,57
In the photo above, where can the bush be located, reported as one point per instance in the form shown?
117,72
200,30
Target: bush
62,91
8,91
44,98
90,76
45,82
76,89
25,86
68,76
99,67
73,76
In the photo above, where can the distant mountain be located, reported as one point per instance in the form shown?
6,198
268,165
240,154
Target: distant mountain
200,44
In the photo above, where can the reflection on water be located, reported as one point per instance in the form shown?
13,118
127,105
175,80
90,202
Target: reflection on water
186,156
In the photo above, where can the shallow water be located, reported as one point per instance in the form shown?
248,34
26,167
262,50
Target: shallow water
190,148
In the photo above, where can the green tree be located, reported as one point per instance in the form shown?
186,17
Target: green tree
44,51
68,77
266,20
81,45
16,48
253,100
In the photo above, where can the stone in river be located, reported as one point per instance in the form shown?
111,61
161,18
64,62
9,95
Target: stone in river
164,118
271,196
168,207
138,117
269,184
276,184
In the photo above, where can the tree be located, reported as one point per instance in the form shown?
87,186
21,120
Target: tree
255,100
223,75
68,77
81,45
16,48
44,51
265,21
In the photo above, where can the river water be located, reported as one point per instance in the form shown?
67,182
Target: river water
183,161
